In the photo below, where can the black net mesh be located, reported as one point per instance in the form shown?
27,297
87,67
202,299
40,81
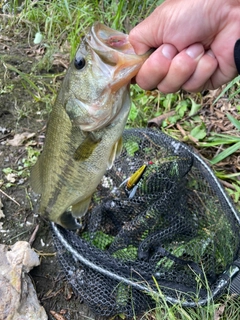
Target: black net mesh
159,220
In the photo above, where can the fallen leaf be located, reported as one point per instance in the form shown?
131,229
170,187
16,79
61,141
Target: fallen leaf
19,138
219,312
57,315
17,295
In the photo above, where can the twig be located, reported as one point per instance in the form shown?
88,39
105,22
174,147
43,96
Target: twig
228,185
158,120
5,136
33,236
182,131
9,197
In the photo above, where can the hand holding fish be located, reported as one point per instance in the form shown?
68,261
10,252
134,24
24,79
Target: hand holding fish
194,43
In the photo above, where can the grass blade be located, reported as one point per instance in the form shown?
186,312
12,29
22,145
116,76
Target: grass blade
68,11
24,76
234,121
227,152
229,86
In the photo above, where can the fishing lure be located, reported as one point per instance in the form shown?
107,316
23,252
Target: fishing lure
132,181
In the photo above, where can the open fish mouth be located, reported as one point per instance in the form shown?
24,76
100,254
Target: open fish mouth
112,39
114,49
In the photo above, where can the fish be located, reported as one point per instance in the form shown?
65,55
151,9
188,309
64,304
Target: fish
84,130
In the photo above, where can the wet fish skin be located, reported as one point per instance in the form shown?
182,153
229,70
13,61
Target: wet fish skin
86,124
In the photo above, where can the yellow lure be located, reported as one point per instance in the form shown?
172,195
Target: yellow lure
135,177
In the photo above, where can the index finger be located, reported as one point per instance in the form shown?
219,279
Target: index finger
142,37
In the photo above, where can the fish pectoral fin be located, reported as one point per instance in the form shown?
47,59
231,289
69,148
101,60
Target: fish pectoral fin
116,150
86,148
67,221
80,208
35,177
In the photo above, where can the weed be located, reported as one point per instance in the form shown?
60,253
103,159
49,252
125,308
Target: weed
234,83
6,89
221,139
21,173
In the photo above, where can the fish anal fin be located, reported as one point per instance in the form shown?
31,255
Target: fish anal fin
80,208
116,150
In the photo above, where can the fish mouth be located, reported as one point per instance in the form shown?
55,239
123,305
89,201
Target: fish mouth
114,49
112,38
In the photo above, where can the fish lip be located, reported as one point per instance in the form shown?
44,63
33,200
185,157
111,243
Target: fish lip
111,39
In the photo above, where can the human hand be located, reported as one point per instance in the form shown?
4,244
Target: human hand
194,43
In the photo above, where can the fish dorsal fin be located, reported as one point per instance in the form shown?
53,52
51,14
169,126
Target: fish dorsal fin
80,208
35,177
116,150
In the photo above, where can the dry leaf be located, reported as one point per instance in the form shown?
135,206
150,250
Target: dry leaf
17,295
158,120
57,315
219,312
19,138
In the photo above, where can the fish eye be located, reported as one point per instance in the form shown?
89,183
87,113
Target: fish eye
79,63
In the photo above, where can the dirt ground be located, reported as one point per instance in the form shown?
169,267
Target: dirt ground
20,115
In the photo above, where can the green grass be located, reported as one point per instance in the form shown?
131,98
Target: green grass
68,20
57,26
226,309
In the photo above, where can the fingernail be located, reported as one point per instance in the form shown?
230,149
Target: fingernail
195,51
210,53
169,51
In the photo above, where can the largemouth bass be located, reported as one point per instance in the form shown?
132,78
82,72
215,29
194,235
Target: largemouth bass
86,124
